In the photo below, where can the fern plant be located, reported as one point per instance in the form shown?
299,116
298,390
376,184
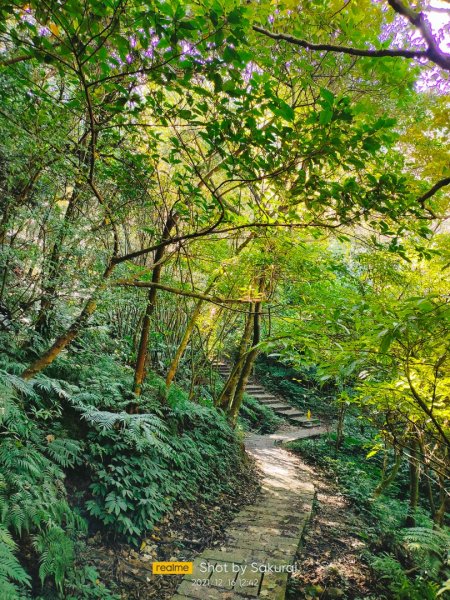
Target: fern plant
141,465
33,501
389,570
14,580
429,548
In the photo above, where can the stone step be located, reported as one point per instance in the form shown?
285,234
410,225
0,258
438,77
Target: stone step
265,533
259,393
305,422
278,407
290,412
271,401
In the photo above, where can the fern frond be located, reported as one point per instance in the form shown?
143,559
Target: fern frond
10,568
64,452
17,383
57,555
56,386
428,547
422,539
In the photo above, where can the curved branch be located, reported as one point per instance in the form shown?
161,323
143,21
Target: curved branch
432,53
418,19
436,187
341,49
16,59
197,295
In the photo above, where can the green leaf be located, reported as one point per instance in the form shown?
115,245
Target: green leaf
218,82
327,96
325,116
230,55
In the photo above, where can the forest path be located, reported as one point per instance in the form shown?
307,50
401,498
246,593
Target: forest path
262,540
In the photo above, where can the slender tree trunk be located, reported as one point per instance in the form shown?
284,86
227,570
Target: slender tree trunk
173,368
4,224
340,426
386,480
414,475
247,368
142,356
427,474
444,504
66,338
193,321
428,480
227,394
42,324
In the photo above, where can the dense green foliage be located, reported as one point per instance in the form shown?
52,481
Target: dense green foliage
136,466
187,182
422,551
409,562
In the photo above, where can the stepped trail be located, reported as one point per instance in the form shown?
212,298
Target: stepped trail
262,540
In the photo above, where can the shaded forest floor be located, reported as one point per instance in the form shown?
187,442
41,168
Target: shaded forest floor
181,535
329,561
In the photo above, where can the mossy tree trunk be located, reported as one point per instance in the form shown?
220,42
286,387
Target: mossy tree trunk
142,355
388,478
43,322
70,334
227,394
249,361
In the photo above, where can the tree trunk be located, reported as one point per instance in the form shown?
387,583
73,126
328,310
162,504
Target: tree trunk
66,338
236,402
42,324
444,503
227,394
414,475
173,368
340,426
428,477
193,320
142,356
386,480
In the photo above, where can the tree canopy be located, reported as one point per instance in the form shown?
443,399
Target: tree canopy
186,182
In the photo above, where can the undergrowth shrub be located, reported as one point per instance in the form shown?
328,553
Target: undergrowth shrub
255,416
33,503
138,476
74,421
401,587
300,388
84,583
410,563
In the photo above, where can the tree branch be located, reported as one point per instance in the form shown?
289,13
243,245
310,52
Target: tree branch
436,187
341,49
197,295
16,59
432,53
